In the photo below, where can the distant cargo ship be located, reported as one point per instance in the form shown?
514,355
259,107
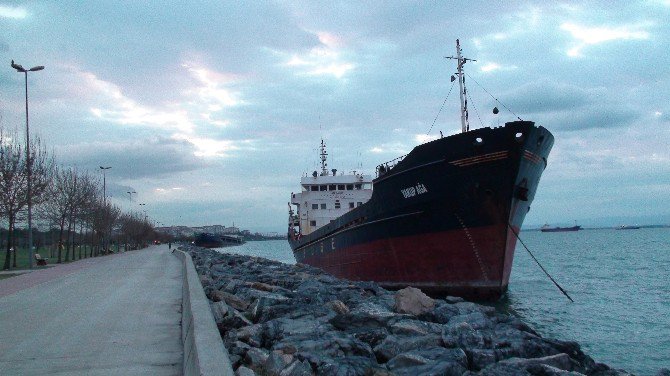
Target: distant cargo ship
547,228
208,240
442,218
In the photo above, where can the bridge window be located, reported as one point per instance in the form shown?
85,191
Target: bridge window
323,206
351,205
314,188
337,204
350,187
312,223
323,187
315,206
358,186
332,187
359,203
340,187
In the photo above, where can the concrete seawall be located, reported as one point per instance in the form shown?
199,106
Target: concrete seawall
204,353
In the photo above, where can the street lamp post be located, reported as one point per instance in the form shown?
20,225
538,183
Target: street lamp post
145,211
104,184
20,69
104,169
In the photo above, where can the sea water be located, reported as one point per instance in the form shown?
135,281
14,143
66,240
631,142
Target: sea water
619,280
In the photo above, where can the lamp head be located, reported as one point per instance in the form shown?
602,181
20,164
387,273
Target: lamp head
18,67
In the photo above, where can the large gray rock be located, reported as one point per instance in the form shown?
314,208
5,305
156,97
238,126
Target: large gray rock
363,318
251,334
441,313
275,363
297,368
338,307
393,346
427,356
413,301
481,358
349,366
476,320
255,358
261,308
559,364
230,299
244,371
414,327
453,299
219,311
461,334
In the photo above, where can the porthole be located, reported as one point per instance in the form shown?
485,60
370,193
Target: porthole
518,136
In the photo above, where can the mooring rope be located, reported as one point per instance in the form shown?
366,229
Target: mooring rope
441,107
538,263
496,99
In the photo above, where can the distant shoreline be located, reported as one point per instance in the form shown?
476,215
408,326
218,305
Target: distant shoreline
602,227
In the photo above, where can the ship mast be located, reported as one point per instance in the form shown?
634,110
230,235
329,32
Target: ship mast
324,155
465,125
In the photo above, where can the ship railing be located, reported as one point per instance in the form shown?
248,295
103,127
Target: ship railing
385,167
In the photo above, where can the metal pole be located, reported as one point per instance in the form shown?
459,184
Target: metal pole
104,200
29,177
21,69
104,188
104,184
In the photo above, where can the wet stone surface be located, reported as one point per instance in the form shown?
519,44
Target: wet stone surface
289,320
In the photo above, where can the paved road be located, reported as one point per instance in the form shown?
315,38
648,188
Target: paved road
113,315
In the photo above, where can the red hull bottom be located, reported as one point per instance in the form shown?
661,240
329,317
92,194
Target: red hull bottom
469,262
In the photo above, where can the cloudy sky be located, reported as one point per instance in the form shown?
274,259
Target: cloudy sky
211,111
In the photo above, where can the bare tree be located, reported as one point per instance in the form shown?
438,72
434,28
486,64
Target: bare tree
14,183
56,208
105,216
136,230
70,200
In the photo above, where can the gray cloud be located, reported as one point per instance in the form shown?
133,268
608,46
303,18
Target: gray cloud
547,96
606,116
133,159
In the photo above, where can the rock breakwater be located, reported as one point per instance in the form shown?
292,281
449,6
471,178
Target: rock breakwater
290,320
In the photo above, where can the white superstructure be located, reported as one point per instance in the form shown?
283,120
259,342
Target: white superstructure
326,196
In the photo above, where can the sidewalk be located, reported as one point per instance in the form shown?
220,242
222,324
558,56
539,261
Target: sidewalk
112,315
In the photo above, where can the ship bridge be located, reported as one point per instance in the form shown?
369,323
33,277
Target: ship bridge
325,196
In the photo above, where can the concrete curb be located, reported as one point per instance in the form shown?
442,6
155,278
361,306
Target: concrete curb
204,353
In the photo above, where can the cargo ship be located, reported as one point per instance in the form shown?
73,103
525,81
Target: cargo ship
443,218
628,227
547,228
208,240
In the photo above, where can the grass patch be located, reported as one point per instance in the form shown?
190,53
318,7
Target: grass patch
23,258
5,276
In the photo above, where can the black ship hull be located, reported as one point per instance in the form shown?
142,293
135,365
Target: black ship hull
443,219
